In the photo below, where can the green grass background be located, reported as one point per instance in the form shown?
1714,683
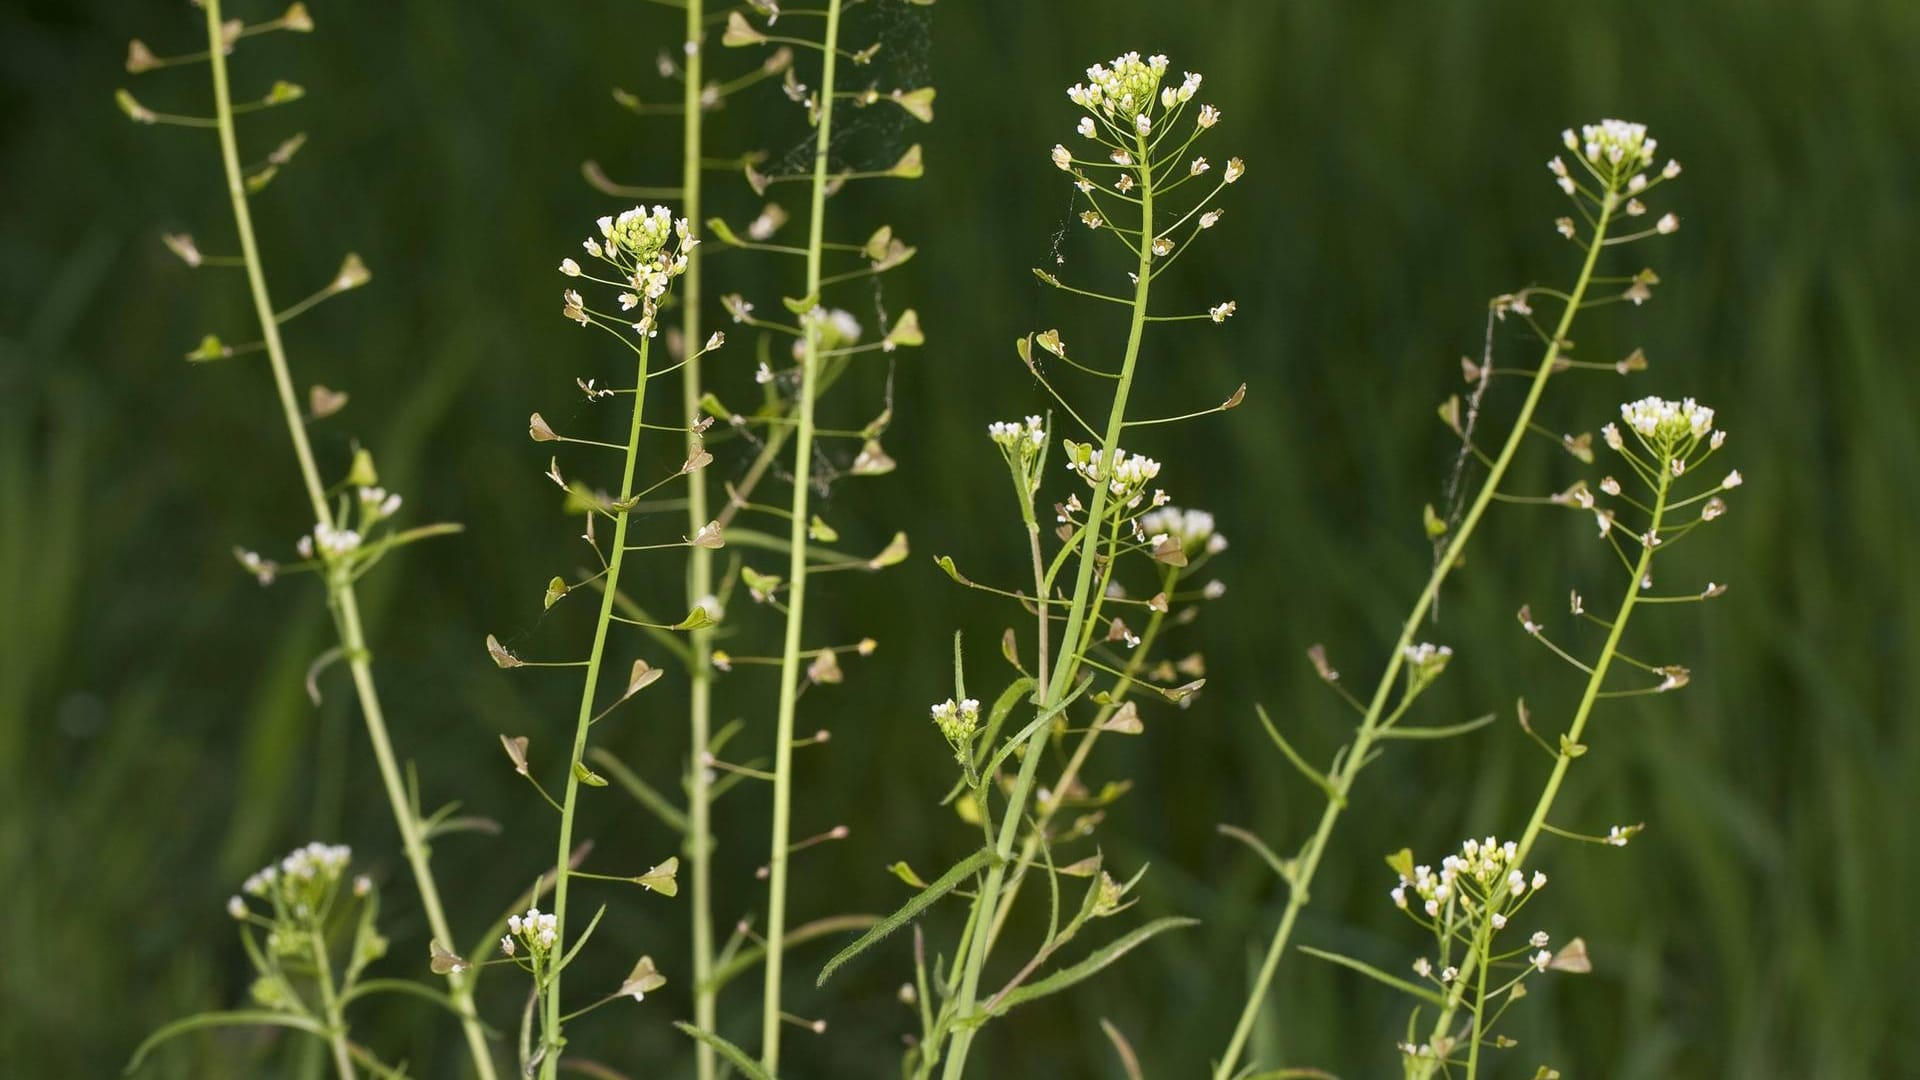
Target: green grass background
155,743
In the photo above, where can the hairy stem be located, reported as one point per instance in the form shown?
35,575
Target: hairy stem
550,993
790,659
340,593
1066,662
1424,1067
699,569
1371,724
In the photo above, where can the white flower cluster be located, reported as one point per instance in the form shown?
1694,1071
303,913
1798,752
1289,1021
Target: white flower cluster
1124,474
1618,144
649,249
300,882
1012,434
1471,877
1425,662
1659,418
957,720
330,541
1193,528
537,930
1124,89
378,504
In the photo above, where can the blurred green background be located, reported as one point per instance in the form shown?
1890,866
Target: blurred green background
156,745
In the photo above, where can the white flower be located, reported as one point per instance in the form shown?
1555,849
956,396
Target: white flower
715,340
1222,312
236,907
1618,836
506,941
1062,159
1564,226
1235,169
1449,973
1637,184
1211,218
1499,921
1733,480
1085,127
1199,166
1539,880
1423,967
1143,124
1214,590
1209,116
1539,939
569,268
1667,223
1672,170
1557,167
763,374
1541,959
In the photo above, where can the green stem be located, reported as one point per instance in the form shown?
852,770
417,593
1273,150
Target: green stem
550,993
340,593
1544,805
1046,809
1064,664
1482,944
790,660
699,570
330,1008
1371,724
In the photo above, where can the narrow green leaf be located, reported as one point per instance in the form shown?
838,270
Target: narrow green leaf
236,1018
946,883
1319,780
1094,964
1446,731
735,1056
643,793
1377,975
1025,733
1260,848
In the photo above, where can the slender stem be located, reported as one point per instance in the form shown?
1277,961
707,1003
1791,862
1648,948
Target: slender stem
1544,805
550,993
1481,946
340,593
1047,808
790,659
1064,664
699,570
1371,725
330,1008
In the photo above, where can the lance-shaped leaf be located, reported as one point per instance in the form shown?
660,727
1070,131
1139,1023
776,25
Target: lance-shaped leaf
946,883
735,1056
1364,968
237,1018
1094,964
